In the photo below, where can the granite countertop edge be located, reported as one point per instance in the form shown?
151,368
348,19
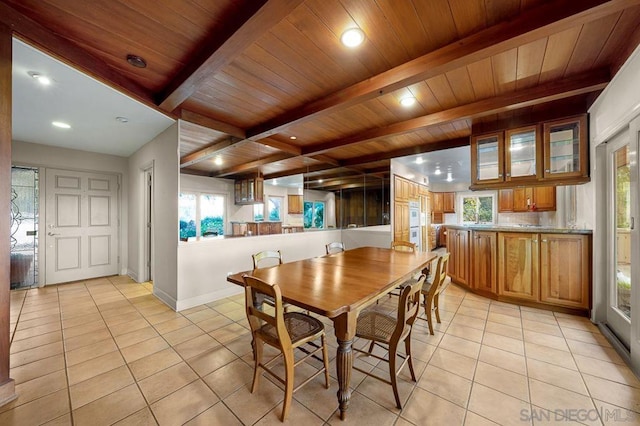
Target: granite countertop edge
524,229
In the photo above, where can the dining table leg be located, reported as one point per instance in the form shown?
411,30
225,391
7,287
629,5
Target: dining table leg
345,330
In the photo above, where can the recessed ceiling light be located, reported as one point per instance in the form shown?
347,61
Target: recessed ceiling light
353,37
419,160
320,181
293,138
136,61
449,177
42,79
218,161
407,101
437,172
61,125
275,182
122,119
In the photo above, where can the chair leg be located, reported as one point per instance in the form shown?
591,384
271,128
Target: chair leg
258,346
325,360
288,384
393,350
371,346
407,349
436,308
427,311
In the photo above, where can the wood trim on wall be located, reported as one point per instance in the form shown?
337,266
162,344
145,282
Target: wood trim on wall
7,386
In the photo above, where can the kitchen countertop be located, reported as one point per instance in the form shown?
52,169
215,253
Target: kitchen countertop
521,228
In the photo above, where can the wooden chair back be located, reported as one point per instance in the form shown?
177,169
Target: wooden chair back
440,275
261,259
335,247
256,289
403,246
408,307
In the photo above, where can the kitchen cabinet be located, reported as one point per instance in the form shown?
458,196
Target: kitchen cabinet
524,199
566,148
505,200
249,191
294,204
542,154
458,247
401,188
564,270
449,202
437,199
484,261
268,228
521,154
487,159
518,265
401,221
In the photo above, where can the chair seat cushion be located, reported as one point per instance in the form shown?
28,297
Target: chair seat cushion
376,326
299,325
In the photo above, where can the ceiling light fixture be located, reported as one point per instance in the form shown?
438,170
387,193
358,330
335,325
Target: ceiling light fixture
353,37
218,161
275,182
293,138
61,125
122,119
407,101
320,181
42,79
419,160
449,177
136,61
437,172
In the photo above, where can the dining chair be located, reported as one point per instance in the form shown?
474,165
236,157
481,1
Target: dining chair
432,290
285,332
386,331
403,246
335,247
264,259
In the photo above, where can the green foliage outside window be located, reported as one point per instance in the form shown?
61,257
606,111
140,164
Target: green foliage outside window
477,209
622,194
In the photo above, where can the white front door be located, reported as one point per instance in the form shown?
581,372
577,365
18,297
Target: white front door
81,225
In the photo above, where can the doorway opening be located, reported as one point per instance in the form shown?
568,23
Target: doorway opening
24,227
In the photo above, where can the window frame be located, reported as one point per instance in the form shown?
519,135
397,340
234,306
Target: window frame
198,218
477,195
313,213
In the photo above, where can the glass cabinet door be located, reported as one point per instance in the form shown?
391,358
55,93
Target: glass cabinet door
565,148
520,155
486,158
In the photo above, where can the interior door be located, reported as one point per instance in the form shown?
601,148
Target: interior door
620,227
81,225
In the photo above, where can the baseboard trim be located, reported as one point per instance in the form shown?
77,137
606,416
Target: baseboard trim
164,297
208,298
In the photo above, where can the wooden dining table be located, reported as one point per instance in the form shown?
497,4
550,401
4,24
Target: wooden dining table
339,286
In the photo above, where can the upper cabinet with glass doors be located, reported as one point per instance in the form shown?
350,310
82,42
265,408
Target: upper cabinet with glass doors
486,154
565,148
550,153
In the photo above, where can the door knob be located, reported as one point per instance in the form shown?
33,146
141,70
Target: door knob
51,234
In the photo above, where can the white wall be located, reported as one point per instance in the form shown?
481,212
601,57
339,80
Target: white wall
45,156
162,153
369,236
203,265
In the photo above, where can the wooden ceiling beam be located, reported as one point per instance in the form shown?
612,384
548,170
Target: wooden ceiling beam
258,17
209,151
251,165
71,54
300,170
535,24
579,84
211,123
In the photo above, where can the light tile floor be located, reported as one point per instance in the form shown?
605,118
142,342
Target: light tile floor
106,351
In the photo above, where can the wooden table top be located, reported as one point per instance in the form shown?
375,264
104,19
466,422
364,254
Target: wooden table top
334,284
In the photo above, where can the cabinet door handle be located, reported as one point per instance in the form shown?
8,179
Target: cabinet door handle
534,241
544,241
508,174
546,171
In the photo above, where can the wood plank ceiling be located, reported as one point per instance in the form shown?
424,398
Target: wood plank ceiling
248,76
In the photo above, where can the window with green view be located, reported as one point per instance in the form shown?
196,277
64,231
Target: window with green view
477,209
